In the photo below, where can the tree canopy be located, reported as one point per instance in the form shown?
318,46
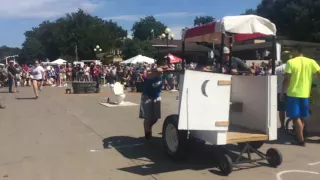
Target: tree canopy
200,20
8,51
133,47
147,28
54,39
295,19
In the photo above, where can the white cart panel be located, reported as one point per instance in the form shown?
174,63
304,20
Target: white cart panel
204,101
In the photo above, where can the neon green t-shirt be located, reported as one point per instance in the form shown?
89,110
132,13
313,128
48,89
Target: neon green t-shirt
302,70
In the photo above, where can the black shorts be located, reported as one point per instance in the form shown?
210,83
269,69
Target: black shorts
39,80
282,104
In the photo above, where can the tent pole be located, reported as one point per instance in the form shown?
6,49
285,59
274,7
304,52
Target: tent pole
183,56
274,54
230,55
221,52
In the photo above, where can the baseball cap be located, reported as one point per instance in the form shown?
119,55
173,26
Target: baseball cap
226,50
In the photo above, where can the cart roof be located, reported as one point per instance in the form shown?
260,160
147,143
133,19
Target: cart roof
244,27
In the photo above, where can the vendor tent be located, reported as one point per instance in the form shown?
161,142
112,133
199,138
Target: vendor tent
59,61
138,59
173,59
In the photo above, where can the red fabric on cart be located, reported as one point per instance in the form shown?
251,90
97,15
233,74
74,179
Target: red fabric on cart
200,30
244,37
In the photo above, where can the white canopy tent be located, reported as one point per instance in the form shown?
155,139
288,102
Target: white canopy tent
138,59
59,61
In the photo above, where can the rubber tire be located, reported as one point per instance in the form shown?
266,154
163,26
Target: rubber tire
288,121
183,147
225,165
274,157
255,145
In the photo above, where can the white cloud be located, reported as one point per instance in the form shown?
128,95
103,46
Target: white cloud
176,30
160,15
43,8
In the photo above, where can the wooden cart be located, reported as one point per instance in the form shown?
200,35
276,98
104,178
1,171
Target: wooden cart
224,109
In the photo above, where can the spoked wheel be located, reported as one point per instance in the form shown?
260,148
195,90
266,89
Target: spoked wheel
225,165
274,157
290,129
174,140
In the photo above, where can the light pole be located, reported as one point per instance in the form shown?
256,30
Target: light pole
166,35
97,49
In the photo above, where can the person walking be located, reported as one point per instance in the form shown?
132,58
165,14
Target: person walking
150,106
38,75
297,83
11,75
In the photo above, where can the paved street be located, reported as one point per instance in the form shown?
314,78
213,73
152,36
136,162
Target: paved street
73,137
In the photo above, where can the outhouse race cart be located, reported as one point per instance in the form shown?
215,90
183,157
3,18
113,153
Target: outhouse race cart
225,109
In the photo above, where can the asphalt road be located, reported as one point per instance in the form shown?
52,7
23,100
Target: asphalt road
73,137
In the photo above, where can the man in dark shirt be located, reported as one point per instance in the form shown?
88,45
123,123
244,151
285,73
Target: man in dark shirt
236,63
11,75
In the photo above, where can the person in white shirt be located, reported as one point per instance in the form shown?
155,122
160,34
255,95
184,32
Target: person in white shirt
38,75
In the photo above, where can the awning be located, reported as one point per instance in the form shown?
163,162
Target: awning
244,27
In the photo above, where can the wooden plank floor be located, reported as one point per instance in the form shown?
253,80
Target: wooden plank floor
237,134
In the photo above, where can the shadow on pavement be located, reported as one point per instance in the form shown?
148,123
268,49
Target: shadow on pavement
285,139
25,98
150,158
5,92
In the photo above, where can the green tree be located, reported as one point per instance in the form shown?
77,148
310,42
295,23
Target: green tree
249,12
147,28
200,20
133,47
79,29
295,19
8,51
32,49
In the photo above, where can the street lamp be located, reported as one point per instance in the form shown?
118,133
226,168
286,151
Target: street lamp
166,35
97,49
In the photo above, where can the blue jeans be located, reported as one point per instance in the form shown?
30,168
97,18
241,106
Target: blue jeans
10,84
97,80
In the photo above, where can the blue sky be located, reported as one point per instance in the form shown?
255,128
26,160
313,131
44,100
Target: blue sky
17,16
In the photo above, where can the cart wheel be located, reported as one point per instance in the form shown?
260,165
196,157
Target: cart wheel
255,145
290,127
274,157
225,165
174,140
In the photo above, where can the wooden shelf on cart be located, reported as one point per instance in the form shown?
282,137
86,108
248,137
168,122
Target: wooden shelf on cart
238,134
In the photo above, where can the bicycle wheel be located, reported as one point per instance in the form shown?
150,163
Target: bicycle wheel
290,129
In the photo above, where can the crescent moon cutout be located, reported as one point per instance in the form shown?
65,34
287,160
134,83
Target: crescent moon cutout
203,88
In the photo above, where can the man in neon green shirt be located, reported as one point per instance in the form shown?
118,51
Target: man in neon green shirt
297,83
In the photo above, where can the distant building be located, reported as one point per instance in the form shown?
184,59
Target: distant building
193,51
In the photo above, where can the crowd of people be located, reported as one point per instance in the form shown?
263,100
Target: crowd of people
130,75
293,87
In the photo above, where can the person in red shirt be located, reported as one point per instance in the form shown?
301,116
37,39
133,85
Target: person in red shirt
96,75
